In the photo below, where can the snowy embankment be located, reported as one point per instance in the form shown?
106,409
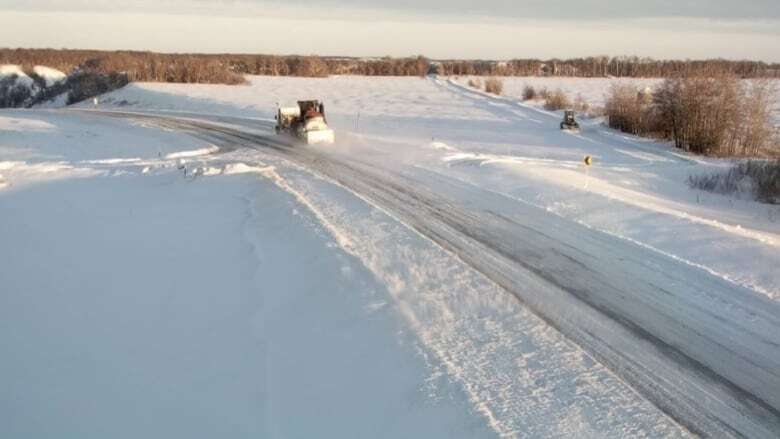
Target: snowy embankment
17,88
45,87
49,75
12,71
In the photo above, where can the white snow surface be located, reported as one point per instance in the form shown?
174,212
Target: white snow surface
13,69
255,297
194,153
50,76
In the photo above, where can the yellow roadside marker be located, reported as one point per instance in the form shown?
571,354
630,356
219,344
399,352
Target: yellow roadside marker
588,161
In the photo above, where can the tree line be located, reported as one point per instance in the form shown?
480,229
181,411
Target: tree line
604,66
209,68
705,114
230,68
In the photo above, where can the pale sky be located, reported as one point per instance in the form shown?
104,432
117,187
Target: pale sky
486,29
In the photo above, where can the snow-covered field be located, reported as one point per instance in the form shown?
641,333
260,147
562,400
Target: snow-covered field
287,295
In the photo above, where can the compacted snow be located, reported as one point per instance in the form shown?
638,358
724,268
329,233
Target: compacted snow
210,285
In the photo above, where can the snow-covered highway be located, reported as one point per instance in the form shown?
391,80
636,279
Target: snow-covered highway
531,296
703,349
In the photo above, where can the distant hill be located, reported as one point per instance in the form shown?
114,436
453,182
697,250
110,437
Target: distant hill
41,85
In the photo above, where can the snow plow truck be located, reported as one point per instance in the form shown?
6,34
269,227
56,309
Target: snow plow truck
305,122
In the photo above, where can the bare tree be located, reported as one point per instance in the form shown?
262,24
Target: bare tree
556,100
494,86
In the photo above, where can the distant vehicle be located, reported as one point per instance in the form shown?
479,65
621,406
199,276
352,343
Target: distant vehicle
306,122
569,123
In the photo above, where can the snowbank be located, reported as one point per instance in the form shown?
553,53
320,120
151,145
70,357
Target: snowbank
242,168
50,76
194,153
8,70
